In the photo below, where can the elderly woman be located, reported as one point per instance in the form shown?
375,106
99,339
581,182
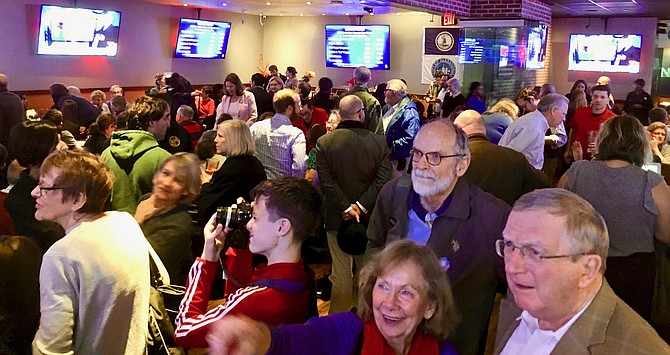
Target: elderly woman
657,139
30,142
94,282
405,306
163,213
98,100
634,203
499,117
100,132
237,102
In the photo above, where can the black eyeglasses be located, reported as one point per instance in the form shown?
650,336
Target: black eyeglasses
432,158
361,109
43,190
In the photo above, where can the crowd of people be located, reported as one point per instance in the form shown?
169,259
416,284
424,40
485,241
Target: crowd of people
424,202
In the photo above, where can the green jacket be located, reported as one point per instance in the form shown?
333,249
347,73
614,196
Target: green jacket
134,157
373,109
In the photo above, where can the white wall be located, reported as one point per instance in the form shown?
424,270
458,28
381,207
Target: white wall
300,42
622,83
146,45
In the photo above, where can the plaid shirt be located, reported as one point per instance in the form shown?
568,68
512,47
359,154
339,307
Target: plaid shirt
280,147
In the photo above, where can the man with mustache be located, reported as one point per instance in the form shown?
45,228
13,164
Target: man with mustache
457,220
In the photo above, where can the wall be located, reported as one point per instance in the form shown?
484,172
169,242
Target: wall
622,83
300,41
146,43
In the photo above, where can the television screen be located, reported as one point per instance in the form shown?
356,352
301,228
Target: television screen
470,50
350,46
536,47
605,53
202,39
77,31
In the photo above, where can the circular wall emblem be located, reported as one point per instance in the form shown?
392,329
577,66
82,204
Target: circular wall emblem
445,65
444,41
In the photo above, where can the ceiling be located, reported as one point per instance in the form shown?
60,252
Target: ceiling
610,8
559,8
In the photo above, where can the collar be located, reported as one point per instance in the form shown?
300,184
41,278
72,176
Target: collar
428,217
281,118
478,137
532,324
450,94
350,124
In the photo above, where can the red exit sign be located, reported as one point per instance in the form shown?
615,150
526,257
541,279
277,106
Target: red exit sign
448,19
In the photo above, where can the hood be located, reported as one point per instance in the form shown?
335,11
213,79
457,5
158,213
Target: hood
127,144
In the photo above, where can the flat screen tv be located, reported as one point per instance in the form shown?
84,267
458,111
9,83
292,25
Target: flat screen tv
202,39
470,50
605,53
351,46
78,31
536,47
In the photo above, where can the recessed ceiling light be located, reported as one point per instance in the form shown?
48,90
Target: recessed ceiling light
309,3
323,14
224,4
346,14
302,14
268,3
185,4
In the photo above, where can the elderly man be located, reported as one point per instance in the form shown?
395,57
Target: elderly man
453,217
280,146
373,109
527,133
500,171
400,123
562,303
353,165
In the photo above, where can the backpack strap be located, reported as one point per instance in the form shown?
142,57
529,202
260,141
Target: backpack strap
294,287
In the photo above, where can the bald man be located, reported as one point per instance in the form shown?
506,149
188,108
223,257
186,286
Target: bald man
500,171
353,165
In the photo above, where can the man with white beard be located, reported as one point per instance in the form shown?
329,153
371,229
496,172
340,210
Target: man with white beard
453,217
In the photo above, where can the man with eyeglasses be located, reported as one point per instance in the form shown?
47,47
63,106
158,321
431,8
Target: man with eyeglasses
554,246
353,165
435,207
400,123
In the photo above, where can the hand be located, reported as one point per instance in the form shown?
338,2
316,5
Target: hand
354,212
238,335
215,239
196,93
577,152
552,138
567,156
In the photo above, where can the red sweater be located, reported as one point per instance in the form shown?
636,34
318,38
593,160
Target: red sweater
583,122
261,303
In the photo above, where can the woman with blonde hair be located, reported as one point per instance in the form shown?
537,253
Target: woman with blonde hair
499,117
163,213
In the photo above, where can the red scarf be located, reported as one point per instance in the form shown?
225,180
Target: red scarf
375,344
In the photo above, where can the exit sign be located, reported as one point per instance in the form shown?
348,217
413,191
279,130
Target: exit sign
448,19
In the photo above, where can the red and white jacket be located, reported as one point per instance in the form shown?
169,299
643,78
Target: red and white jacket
268,305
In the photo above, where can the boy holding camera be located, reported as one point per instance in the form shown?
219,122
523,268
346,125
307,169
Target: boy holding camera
285,211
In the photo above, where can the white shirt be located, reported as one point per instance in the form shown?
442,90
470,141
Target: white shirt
528,338
387,116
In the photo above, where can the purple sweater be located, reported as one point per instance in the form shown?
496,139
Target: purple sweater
336,334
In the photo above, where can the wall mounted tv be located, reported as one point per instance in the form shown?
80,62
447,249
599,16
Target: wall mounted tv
202,39
536,47
78,31
605,53
350,46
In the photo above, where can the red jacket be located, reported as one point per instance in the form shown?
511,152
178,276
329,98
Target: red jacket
268,305
319,116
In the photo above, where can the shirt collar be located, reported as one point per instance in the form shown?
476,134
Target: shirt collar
532,324
415,205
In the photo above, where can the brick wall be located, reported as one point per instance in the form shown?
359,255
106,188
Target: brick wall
458,7
493,9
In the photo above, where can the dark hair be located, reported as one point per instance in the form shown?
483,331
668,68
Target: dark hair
658,114
292,70
178,83
58,91
206,148
474,86
577,82
3,156
102,123
223,117
325,85
217,87
144,110
69,111
624,138
265,116
272,67
234,79
81,173
257,79
20,260
118,102
601,88
314,133
207,90
307,103
32,141
54,116
304,88
122,120
294,199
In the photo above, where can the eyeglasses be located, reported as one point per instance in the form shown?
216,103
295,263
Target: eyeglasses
528,253
433,158
360,109
43,190
393,91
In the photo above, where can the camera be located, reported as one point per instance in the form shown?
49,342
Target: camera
368,9
235,217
